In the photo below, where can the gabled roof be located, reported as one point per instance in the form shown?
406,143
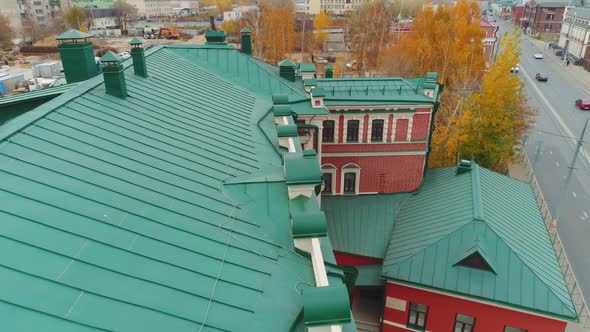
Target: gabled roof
45,93
155,212
73,34
485,212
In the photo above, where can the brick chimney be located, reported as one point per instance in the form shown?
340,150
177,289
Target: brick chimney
114,76
77,56
246,41
138,56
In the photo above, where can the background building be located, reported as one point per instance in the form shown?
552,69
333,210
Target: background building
575,32
237,12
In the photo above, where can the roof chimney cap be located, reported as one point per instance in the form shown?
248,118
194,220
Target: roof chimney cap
246,30
286,63
464,166
135,41
73,36
110,58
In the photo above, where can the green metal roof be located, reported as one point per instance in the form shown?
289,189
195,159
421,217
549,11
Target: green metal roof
497,216
286,63
310,82
282,110
238,68
300,169
371,90
117,214
287,131
324,305
135,41
308,220
307,67
369,275
246,30
35,95
361,225
73,34
318,92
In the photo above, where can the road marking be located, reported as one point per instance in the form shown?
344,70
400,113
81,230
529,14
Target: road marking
574,194
564,127
585,214
550,151
556,163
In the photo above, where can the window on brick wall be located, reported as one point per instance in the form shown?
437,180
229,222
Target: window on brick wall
377,130
328,131
352,131
550,17
417,315
350,183
547,26
464,323
327,183
513,329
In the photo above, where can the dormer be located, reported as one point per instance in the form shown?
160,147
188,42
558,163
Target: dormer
317,97
307,70
309,84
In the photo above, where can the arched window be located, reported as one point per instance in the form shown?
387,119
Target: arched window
350,179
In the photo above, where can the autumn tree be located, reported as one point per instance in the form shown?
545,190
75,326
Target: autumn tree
6,31
320,23
75,18
497,116
370,31
273,32
124,13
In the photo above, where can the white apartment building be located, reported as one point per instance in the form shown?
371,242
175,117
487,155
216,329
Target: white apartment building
237,12
575,32
156,8
332,7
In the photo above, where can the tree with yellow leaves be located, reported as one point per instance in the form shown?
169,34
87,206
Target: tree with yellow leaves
497,116
320,23
274,32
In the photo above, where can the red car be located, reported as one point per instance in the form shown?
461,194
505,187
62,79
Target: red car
583,104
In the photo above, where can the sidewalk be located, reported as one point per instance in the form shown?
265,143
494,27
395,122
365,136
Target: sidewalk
578,73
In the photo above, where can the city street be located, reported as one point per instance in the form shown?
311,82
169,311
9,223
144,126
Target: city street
551,145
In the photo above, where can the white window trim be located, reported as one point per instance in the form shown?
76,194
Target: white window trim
330,168
410,119
345,130
385,118
350,168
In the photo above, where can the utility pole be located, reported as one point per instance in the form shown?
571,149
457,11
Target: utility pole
569,174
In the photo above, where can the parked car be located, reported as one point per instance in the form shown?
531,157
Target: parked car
125,55
351,64
542,77
538,55
321,60
331,58
559,52
583,104
515,69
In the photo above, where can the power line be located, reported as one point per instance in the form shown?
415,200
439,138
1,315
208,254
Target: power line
553,134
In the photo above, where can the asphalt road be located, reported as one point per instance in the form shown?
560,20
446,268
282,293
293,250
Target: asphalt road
551,145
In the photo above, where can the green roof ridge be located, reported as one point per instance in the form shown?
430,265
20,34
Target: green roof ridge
478,213
135,41
73,34
286,63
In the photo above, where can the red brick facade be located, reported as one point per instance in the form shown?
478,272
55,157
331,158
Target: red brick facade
542,19
382,174
442,310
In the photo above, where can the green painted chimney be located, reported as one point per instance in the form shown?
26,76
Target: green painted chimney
114,76
329,72
287,70
77,56
246,41
138,56
215,37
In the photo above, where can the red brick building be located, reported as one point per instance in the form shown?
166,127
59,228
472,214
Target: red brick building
543,16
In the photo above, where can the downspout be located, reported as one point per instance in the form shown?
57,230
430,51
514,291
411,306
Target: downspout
310,126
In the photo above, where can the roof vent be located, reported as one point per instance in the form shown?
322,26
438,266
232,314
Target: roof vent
477,259
114,76
325,306
287,70
138,55
215,37
77,56
317,97
464,166
329,71
246,41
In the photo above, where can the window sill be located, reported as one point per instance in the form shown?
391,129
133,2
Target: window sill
351,141
349,193
332,141
416,328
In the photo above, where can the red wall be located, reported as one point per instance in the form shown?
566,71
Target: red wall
383,174
356,147
344,259
442,310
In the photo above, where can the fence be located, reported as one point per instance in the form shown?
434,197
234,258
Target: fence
570,279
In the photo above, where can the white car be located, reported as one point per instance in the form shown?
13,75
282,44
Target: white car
321,60
538,55
515,69
351,64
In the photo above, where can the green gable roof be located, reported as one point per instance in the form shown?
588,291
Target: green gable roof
307,67
485,212
286,63
119,215
361,225
73,34
246,30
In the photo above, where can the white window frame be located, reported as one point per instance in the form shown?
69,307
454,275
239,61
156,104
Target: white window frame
332,169
350,168
385,118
